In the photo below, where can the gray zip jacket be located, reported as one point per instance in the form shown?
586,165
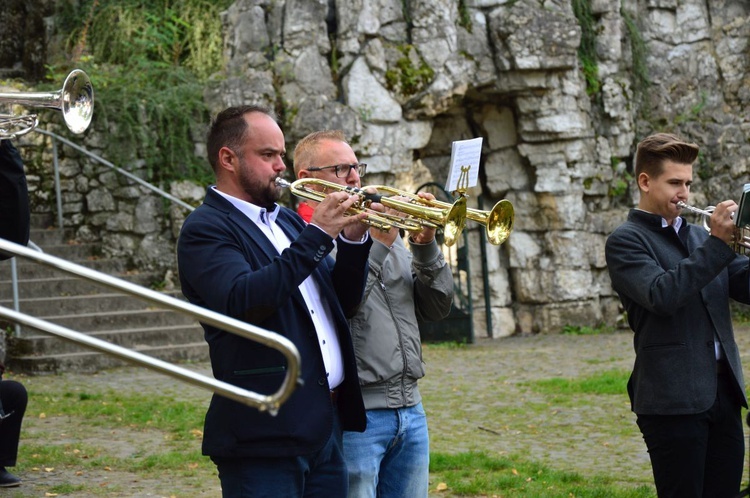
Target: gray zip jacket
402,286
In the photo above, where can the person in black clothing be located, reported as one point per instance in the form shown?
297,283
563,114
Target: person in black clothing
675,281
14,197
14,226
13,399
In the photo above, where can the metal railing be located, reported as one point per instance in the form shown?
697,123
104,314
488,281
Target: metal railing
58,198
55,138
271,402
282,344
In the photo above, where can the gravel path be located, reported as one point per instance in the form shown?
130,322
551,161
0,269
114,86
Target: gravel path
477,398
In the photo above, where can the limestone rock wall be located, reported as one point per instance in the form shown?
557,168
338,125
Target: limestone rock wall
405,78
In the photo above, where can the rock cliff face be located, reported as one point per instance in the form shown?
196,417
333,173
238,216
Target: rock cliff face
561,91
405,79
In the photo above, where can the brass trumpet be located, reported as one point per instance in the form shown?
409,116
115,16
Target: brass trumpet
498,222
740,242
420,212
75,99
452,219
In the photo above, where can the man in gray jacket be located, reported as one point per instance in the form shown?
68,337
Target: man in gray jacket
391,458
675,281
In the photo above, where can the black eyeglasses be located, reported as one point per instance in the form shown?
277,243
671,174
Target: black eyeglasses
342,170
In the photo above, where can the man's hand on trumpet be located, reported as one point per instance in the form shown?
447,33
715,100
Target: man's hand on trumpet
330,217
427,234
722,221
423,236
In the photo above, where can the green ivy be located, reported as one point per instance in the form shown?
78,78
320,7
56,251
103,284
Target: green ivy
639,53
587,49
406,78
464,16
149,62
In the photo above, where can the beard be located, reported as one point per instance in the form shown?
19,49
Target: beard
261,191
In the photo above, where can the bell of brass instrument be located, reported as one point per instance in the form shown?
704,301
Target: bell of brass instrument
498,221
451,217
75,99
740,242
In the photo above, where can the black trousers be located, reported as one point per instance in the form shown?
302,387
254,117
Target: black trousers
14,398
700,455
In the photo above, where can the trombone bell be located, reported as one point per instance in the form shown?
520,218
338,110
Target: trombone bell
75,99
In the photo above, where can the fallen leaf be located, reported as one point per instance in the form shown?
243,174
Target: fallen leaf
441,487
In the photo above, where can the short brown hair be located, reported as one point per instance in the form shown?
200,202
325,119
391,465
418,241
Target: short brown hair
228,130
660,147
305,150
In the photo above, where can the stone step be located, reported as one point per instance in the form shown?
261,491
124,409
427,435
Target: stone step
65,286
116,320
87,303
73,251
92,361
27,269
43,221
42,343
90,308
50,236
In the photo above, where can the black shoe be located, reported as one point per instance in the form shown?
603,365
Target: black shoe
8,480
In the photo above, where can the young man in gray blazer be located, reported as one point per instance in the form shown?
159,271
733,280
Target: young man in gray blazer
675,281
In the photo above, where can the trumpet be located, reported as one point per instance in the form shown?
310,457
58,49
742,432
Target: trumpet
420,213
452,219
498,222
75,99
740,241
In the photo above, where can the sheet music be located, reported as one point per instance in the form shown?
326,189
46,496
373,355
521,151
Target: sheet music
464,166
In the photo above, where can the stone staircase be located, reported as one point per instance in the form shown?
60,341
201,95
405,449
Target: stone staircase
91,308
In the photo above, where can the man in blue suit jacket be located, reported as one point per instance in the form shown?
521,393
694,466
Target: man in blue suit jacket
675,281
241,254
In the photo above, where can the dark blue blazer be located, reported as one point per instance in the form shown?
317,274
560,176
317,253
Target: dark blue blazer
227,265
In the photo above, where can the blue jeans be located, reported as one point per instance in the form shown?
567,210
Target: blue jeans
391,459
319,475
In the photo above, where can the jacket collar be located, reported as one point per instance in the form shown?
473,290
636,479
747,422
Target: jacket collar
651,220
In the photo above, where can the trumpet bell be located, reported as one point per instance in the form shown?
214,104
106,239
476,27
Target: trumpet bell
499,222
455,221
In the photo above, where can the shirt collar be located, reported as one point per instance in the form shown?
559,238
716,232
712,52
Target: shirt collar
677,221
259,215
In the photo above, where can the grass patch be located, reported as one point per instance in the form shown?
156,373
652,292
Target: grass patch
606,382
479,474
182,420
586,330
